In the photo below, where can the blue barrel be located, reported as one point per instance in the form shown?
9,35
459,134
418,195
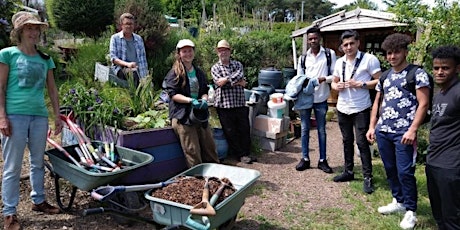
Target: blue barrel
272,77
221,143
288,74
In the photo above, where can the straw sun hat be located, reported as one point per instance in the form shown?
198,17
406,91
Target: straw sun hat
22,18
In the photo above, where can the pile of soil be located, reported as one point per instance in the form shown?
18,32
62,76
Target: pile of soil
189,190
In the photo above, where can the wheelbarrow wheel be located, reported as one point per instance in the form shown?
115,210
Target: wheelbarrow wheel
129,203
228,225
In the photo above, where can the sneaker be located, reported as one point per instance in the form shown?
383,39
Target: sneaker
324,166
345,176
11,223
302,165
368,187
392,207
408,221
45,208
248,159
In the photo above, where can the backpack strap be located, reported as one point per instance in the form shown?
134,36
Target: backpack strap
302,62
327,51
410,78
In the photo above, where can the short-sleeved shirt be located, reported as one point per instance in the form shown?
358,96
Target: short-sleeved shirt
397,111
444,148
316,66
26,82
354,100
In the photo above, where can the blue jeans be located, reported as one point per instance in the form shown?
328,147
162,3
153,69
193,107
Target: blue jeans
399,162
30,130
320,115
360,122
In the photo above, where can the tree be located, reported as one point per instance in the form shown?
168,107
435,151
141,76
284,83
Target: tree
7,8
90,17
363,4
439,26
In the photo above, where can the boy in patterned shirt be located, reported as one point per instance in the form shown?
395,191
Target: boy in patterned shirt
394,122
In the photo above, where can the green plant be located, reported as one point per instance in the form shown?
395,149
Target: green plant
148,119
91,107
90,17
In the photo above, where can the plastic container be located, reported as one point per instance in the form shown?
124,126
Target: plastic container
211,94
252,98
276,97
276,110
221,143
271,76
169,213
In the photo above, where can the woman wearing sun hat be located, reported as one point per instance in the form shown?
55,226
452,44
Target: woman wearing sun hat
24,73
187,86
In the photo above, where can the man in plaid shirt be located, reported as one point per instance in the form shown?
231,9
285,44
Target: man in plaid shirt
230,102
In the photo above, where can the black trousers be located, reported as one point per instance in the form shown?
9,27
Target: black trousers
235,124
360,122
444,193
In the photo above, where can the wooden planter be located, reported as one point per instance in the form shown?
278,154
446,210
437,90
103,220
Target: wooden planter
162,144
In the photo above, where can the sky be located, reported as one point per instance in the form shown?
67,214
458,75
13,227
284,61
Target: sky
379,3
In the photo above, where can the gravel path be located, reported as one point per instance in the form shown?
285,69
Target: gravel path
279,193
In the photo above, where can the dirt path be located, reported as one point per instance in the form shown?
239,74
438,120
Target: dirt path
280,192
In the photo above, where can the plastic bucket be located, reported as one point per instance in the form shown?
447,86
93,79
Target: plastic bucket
276,97
221,143
276,110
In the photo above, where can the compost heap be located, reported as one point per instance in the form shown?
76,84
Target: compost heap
189,190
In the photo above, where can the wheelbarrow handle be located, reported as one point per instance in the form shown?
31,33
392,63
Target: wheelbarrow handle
196,225
93,211
104,193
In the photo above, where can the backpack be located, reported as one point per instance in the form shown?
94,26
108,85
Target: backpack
327,51
410,79
294,86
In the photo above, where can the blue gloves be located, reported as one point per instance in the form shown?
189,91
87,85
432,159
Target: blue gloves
199,104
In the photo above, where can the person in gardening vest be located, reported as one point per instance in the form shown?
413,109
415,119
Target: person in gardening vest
396,116
127,51
187,87
24,73
354,74
315,66
230,102
443,158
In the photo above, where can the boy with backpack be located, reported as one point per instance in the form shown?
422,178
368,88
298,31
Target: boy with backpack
397,113
315,64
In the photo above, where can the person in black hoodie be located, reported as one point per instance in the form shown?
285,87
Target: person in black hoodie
187,88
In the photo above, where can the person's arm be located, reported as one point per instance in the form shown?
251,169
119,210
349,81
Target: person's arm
4,122
54,98
330,78
423,100
370,135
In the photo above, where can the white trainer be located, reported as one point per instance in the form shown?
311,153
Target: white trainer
392,207
409,220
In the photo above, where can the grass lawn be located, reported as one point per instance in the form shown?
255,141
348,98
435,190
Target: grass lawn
363,214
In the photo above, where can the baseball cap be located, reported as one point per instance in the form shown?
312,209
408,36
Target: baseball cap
184,42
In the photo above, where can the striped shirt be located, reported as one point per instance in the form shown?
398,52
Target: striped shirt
229,95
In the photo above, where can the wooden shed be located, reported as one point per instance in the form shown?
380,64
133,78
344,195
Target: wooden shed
372,26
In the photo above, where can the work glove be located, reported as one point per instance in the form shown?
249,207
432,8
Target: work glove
203,104
195,103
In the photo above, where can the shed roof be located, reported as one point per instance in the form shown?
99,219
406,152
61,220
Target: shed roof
354,19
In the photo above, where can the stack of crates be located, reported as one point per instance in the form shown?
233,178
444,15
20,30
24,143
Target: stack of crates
271,133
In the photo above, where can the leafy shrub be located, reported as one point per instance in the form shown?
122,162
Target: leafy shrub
90,17
81,65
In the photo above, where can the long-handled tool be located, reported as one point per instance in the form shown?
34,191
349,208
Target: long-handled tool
106,192
60,148
204,208
206,224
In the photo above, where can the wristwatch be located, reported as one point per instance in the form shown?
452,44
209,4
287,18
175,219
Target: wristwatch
364,86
